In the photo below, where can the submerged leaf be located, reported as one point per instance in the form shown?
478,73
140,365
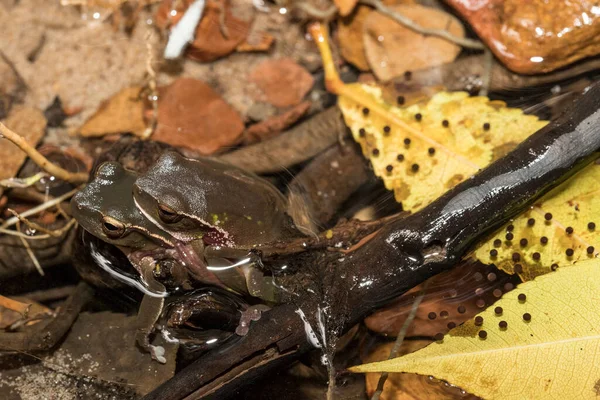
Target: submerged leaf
422,150
559,230
541,341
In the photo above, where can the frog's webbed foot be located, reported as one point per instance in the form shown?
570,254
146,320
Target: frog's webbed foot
252,313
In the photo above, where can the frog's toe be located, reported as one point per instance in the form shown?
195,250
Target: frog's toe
158,354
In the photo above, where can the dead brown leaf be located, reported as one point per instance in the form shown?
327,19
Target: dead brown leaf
31,124
391,49
192,115
345,7
452,297
271,126
255,42
409,386
283,82
123,112
350,37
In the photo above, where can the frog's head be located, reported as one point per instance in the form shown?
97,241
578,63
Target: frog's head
208,199
105,208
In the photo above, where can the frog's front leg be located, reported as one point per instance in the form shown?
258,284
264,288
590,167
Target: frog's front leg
149,312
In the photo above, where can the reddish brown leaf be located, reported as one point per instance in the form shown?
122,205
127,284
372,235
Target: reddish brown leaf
283,82
191,114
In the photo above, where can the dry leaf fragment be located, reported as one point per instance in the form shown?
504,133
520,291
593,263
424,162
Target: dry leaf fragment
192,115
283,82
345,7
452,297
561,229
31,124
409,386
540,341
391,49
255,42
122,113
349,35
276,124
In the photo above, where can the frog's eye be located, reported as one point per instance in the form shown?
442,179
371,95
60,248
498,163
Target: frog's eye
168,215
112,228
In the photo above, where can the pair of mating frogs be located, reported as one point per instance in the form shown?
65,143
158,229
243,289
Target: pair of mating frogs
181,223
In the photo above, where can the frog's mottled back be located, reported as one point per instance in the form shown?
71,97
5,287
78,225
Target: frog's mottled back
192,198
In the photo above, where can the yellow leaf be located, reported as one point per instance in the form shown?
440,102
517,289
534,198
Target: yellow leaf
422,150
539,245
556,354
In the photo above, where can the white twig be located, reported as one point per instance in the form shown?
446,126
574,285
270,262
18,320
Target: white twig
184,31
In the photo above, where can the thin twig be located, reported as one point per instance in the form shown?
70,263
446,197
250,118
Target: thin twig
401,335
30,253
52,232
22,183
39,159
153,95
13,220
410,24
316,13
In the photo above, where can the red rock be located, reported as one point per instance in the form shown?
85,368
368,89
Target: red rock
534,36
192,115
282,82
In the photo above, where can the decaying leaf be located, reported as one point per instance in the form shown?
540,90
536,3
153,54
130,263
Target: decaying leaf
349,35
425,149
451,298
558,230
345,7
122,113
409,386
541,341
391,49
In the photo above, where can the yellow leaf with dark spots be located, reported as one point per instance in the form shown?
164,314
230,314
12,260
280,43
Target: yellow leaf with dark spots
422,150
559,230
540,341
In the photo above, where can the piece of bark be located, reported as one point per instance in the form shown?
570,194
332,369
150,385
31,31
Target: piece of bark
534,36
192,115
283,82
274,125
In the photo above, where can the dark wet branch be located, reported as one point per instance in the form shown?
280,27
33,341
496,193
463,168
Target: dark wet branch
406,252
292,147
